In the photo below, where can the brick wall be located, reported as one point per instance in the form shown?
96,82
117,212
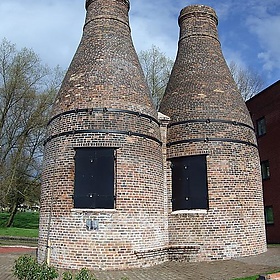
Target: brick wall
208,116
104,102
266,104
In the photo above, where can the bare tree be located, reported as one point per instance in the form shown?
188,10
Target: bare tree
157,68
27,90
249,81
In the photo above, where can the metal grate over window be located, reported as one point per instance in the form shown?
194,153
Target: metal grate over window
94,178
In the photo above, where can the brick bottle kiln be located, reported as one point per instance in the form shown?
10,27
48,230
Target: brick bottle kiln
108,200
212,149
102,195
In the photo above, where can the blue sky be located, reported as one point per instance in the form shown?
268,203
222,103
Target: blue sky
249,30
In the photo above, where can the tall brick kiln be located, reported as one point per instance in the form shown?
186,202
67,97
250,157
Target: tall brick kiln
102,196
214,175
110,199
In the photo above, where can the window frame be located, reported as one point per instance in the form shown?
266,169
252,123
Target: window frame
261,126
266,215
265,169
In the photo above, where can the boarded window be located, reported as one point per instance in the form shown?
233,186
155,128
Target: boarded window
189,183
94,178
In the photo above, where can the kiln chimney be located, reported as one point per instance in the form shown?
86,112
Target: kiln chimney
102,201
216,188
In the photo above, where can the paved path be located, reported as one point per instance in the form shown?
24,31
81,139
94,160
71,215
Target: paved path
8,255
218,270
16,250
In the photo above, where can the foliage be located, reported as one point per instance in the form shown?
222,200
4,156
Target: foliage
247,278
157,68
256,276
67,275
27,90
84,274
249,82
27,268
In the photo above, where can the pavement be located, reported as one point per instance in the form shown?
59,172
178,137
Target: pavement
216,270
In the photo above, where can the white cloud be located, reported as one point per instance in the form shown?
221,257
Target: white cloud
234,56
155,23
51,29
255,37
266,28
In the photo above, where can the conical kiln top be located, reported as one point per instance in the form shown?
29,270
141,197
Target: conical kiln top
201,85
105,71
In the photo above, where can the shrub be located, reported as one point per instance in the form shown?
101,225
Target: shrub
47,272
67,275
27,268
85,274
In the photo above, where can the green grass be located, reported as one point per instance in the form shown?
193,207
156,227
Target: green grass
22,232
26,220
256,276
247,278
271,245
26,224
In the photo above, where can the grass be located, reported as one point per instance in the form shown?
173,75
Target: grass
25,224
19,232
255,276
247,278
27,220
271,245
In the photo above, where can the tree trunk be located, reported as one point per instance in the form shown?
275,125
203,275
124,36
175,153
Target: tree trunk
12,215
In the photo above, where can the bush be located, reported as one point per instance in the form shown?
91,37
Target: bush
67,275
84,274
27,268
